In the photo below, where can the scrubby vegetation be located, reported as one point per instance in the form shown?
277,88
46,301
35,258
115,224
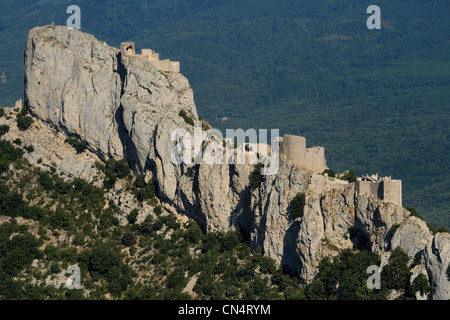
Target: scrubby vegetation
345,277
330,173
349,176
256,177
57,222
79,145
297,205
187,118
3,129
67,222
24,122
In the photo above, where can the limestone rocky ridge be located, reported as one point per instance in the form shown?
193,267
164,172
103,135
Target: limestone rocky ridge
125,105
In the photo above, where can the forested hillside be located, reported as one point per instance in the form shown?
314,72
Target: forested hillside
378,100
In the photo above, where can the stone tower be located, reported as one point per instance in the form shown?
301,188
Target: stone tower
127,49
294,147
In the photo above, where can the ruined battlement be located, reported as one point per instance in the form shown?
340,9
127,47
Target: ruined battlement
293,148
127,49
319,183
383,188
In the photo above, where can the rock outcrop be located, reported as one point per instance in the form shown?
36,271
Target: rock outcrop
124,107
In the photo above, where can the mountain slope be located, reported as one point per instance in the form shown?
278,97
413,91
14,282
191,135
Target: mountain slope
377,100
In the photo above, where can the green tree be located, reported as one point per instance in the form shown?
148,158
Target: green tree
255,176
349,176
330,173
297,205
132,217
420,284
24,122
79,145
103,259
3,129
46,181
396,274
315,290
128,239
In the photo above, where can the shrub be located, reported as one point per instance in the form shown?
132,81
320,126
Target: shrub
414,212
8,154
157,210
230,240
255,176
17,141
115,169
144,191
103,259
349,176
79,145
297,205
24,122
132,217
29,148
46,181
128,239
330,173
396,273
421,284
393,229
2,112
193,234
315,291
188,119
267,265
3,129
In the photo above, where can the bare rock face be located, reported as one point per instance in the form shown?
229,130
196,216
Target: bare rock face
125,107
325,228
412,236
72,83
274,228
437,260
375,218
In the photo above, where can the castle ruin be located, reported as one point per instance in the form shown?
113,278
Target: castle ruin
383,188
127,49
293,149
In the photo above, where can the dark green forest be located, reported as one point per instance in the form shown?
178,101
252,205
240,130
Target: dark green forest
377,100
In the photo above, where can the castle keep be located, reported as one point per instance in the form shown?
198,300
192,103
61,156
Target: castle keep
127,50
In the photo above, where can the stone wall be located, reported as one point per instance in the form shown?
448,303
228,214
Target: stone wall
392,191
384,189
127,49
315,159
319,183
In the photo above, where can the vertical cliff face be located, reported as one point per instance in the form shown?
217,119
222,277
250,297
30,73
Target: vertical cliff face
72,83
125,107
